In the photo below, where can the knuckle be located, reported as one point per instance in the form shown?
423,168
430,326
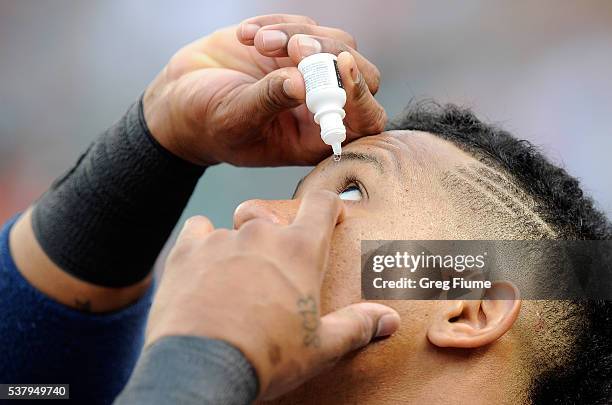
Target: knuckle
376,121
343,39
332,45
178,64
340,46
196,221
310,20
362,329
180,251
298,28
375,82
255,228
381,120
372,117
362,91
348,39
218,236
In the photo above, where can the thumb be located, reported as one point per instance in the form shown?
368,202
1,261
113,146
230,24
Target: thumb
343,331
278,91
353,327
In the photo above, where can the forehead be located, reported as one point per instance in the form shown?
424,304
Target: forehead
402,153
415,147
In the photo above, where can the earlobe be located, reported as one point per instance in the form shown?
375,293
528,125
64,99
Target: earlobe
475,323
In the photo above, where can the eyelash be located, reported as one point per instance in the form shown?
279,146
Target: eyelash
351,180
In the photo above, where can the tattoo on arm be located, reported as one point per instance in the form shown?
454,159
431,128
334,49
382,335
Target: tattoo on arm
309,310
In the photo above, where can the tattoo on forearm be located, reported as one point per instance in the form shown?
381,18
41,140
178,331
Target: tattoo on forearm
309,310
84,305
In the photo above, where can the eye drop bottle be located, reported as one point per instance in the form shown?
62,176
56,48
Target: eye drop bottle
325,97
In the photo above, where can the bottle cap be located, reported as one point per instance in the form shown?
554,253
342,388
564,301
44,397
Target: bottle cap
332,128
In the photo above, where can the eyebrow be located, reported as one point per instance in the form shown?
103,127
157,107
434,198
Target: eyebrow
350,156
363,157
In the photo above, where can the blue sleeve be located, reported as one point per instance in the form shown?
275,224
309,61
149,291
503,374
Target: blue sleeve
43,341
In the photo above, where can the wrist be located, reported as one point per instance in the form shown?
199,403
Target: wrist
161,112
106,220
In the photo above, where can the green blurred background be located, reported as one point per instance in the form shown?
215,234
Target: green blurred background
69,69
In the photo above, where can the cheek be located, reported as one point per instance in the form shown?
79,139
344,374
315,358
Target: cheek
342,282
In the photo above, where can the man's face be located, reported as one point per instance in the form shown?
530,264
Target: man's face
393,184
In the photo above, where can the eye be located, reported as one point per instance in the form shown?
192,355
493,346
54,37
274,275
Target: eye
352,192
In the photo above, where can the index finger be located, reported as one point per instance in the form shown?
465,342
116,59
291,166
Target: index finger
248,28
319,213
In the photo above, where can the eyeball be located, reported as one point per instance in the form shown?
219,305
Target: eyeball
351,193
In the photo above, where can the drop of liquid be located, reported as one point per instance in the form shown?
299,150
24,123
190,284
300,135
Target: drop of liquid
337,158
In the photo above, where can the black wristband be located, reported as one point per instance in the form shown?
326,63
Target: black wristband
106,220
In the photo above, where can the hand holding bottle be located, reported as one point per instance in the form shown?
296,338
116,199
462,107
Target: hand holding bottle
236,96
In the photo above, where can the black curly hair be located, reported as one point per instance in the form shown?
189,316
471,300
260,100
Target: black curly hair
587,379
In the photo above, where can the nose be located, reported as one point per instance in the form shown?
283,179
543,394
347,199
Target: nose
278,211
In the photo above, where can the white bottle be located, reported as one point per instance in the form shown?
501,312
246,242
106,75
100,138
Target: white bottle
325,97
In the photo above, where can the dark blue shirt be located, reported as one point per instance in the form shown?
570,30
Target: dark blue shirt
43,341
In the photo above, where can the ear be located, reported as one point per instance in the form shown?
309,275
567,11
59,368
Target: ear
475,323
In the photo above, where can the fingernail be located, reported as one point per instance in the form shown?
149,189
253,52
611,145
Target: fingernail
387,324
288,88
273,39
248,31
308,46
355,73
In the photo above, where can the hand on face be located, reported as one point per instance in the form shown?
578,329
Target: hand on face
258,288
236,96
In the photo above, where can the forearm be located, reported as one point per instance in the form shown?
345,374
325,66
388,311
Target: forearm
100,227
190,370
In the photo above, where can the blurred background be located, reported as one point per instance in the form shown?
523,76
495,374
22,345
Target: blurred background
69,69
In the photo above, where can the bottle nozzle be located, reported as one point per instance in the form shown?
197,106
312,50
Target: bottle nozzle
337,149
333,131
